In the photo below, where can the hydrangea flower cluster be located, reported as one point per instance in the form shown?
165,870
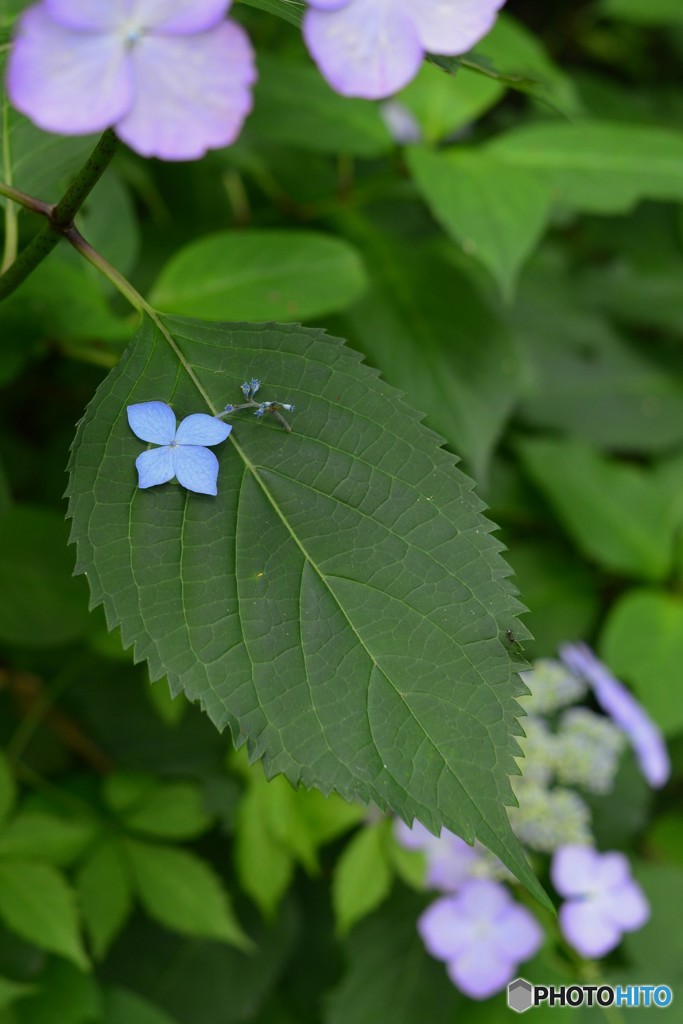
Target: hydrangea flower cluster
477,929
482,934
373,48
602,900
172,77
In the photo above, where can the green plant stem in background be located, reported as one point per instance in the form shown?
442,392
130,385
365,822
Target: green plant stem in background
9,253
60,217
136,300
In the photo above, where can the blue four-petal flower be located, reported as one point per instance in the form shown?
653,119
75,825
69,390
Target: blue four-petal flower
183,453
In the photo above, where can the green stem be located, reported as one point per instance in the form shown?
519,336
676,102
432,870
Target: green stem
29,202
9,253
76,239
136,300
60,217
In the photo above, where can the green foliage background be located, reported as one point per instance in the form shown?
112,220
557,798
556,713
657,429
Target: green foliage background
517,273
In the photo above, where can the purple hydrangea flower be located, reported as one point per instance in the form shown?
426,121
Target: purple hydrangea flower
182,454
602,900
646,739
172,77
482,935
450,861
373,48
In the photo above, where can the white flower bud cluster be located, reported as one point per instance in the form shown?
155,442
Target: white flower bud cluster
587,750
579,749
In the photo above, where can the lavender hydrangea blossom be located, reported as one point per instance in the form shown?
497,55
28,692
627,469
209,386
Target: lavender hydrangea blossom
172,77
602,900
613,697
482,934
373,48
450,860
182,453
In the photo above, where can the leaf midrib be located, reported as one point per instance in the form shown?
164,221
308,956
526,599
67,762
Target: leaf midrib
316,568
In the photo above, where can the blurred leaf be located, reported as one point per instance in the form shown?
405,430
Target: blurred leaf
264,865
40,604
586,379
278,826
619,818
512,47
426,325
171,810
8,790
326,817
496,213
643,12
409,865
42,163
260,275
596,166
443,104
66,996
11,991
60,302
363,875
33,835
202,982
340,524
182,892
656,950
665,838
170,709
615,512
390,976
124,1007
642,641
105,896
633,295
294,106
37,904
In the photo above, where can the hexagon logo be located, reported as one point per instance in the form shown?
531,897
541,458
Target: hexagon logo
520,995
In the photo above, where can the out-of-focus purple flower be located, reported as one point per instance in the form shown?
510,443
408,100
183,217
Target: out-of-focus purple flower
482,935
373,48
172,77
403,126
183,453
613,697
602,900
450,861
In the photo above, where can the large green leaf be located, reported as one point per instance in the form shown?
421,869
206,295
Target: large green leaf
36,902
644,12
597,166
261,275
622,516
341,604
182,892
496,213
